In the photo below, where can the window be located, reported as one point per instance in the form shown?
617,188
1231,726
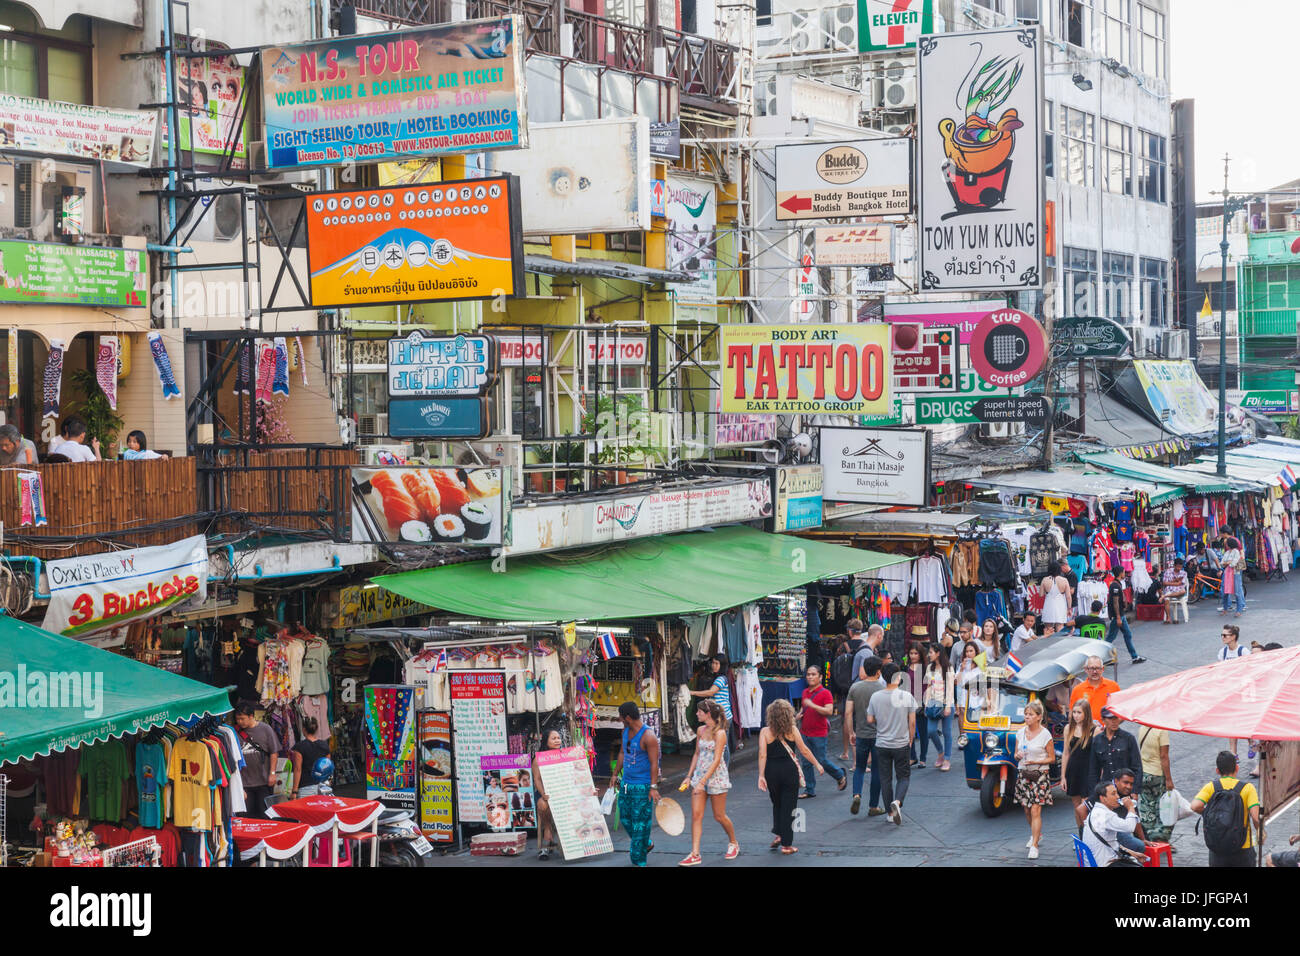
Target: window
49,64
1155,291
1277,295
1027,11
1076,22
527,394
1116,24
1080,271
1049,140
1117,158
763,8
1079,132
1117,286
1151,171
1151,26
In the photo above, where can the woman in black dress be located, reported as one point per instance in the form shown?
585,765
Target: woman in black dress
1077,752
779,773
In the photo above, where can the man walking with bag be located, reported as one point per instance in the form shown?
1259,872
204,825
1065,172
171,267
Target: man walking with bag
1229,812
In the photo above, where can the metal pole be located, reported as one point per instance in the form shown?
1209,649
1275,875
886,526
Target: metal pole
1222,469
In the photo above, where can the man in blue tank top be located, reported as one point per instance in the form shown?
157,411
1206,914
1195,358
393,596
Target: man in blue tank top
639,762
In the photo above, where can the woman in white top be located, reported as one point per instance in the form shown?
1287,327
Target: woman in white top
1035,754
1056,598
938,700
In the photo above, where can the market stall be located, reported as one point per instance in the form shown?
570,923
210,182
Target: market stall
1256,696
96,737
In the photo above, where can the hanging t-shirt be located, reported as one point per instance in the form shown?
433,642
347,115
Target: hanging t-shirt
315,669
151,781
62,785
1123,521
190,773
104,768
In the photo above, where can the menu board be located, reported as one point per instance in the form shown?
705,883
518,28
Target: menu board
478,720
571,796
508,797
437,821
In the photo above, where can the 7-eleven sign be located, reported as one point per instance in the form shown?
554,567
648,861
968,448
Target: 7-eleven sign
807,288
893,24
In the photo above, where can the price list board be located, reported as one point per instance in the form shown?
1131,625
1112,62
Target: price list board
580,825
478,722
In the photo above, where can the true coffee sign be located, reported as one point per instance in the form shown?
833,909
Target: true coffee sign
1008,348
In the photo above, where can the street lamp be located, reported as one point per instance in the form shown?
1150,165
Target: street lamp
1230,206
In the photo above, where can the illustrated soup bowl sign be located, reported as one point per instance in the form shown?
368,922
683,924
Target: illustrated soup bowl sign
1008,348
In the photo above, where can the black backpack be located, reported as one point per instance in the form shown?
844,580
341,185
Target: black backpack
1224,817
842,675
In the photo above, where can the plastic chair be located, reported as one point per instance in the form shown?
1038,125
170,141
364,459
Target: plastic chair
1157,852
1082,854
320,851
1093,632
1176,603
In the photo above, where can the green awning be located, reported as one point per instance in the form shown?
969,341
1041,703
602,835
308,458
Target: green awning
126,696
689,573
1195,481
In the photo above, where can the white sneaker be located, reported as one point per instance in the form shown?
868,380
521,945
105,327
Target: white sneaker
1033,853
1029,843
896,813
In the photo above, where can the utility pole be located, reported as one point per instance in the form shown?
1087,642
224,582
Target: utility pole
1223,330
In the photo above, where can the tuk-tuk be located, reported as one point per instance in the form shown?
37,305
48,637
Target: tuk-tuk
1045,670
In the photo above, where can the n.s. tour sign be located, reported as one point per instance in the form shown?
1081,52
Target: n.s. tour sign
813,369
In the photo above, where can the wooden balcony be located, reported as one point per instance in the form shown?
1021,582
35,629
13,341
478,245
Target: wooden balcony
299,492
705,69
100,506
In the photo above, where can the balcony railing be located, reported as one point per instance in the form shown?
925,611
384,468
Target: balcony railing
296,492
1280,322
703,68
96,506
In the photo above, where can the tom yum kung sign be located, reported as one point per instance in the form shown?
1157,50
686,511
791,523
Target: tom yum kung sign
980,165
441,365
806,368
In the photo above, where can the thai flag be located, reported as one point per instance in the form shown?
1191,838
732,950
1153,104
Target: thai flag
608,646
1288,476
1014,664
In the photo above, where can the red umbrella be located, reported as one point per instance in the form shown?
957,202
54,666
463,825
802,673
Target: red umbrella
1253,696
279,839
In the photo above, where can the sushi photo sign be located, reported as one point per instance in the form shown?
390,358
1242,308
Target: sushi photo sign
414,505
980,166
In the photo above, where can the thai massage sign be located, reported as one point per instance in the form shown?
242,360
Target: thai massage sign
100,592
441,364
452,88
70,129
779,369
980,171
50,273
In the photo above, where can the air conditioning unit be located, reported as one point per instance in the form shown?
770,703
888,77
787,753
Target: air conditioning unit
894,129
1138,335
840,28
30,194
805,32
1174,343
372,428
1002,429
372,454
898,89
218,223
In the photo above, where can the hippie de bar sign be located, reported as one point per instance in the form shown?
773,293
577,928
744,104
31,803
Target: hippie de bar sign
981,160
450,88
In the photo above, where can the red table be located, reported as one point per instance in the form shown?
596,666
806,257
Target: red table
277,839
335,814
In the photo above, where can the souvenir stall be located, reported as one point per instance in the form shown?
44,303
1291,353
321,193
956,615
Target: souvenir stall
137,770
1097,522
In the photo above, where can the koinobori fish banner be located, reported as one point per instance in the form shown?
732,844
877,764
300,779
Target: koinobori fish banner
377,97
980,171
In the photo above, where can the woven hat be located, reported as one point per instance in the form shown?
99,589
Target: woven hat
669,816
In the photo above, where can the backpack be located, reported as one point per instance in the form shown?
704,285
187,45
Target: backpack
842,671
1224,817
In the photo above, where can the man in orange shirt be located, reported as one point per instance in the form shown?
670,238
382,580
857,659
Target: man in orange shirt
1096,690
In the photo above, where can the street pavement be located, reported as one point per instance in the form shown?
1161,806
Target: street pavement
942,821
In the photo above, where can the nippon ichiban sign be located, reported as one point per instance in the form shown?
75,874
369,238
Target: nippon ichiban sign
779,369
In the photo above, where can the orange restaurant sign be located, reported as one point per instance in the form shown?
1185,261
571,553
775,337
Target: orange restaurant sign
434,242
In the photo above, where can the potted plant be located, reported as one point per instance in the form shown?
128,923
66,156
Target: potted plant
101,421
539,481
571,453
